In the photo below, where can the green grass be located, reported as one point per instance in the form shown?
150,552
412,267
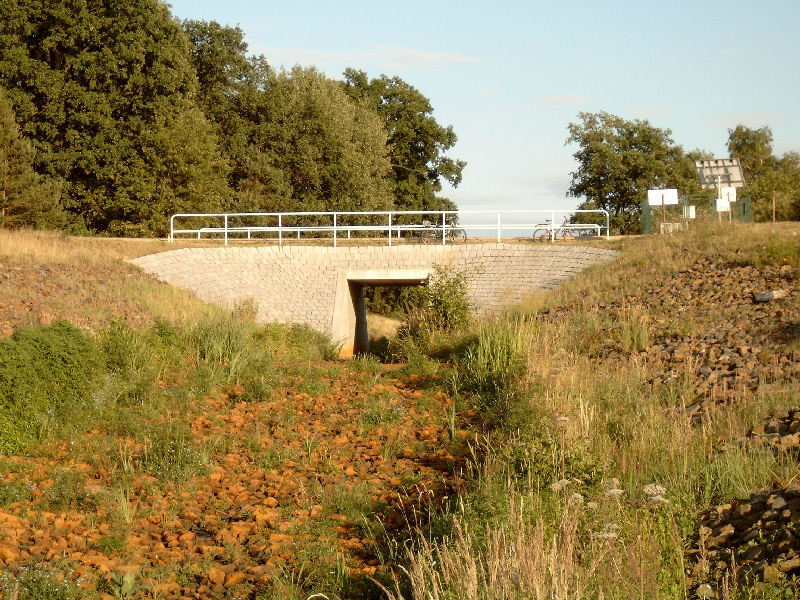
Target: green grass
39,584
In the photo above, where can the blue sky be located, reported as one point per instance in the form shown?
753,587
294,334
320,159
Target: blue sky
510,76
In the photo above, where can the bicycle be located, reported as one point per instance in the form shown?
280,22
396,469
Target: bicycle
432,234
456,235
546,232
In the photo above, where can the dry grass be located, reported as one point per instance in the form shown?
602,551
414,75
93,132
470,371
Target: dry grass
380,326
87,281
524,559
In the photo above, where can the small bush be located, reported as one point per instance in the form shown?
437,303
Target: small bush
448,300
45,372
446,310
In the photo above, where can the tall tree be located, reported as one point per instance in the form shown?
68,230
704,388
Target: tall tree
310,147
753,148
619,160
219,56
766,176
25,200
92,82
417,142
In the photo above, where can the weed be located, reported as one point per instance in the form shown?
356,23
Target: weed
110,544
171,454
68,490
496,366
39,584
14,491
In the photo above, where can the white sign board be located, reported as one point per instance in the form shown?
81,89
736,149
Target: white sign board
723,205
729,193
654,197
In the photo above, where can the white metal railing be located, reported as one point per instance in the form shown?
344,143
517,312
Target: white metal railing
390,223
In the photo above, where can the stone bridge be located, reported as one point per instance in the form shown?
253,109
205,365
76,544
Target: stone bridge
323,286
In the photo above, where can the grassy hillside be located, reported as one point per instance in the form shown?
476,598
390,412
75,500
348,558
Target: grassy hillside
590,443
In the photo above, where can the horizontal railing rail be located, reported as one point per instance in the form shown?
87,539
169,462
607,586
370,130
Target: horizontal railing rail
392,224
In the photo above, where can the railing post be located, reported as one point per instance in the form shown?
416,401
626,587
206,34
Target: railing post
334,230
552,227
443,226
390,228
226,229
280,230
498,226
608,226
171,228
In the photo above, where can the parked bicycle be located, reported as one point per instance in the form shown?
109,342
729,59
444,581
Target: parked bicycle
431,233
546,232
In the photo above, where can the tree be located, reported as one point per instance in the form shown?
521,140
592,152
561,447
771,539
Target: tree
25,200
417,142
94,83
765,174
753,148
310,147
219,56
619,160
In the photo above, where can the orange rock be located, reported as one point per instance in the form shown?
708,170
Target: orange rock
7,555
280,538
271,502
234,578
215,575
350,472
316,511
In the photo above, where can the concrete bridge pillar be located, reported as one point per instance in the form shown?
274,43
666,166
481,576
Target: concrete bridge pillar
349,320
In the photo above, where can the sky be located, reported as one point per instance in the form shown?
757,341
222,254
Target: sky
510,76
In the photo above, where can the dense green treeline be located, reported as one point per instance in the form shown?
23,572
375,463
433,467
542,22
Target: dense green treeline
130,115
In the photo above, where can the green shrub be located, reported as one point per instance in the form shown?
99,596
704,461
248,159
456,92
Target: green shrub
448,300
45,372
446,310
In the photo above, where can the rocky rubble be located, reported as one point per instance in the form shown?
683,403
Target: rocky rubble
783,433
711,331
757,539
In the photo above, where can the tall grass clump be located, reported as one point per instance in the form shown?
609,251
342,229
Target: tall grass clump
523,558
45,372
495,365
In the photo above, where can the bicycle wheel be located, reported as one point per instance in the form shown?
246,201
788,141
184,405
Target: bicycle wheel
457,236
541,235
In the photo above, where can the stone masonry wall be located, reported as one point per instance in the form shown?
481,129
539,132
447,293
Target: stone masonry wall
297,284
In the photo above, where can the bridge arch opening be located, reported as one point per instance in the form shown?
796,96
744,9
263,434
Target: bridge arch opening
349,321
